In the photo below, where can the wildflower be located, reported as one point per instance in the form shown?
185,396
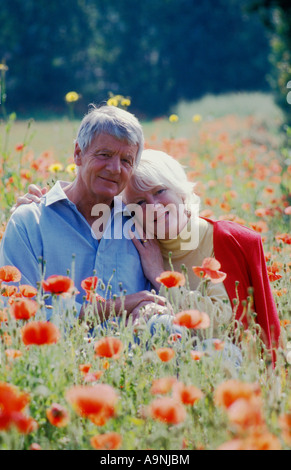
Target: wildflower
196,355
57,415
287,210
163,385
13,353
284,238
192,319
97,402
19,147
90,283
197,118
210,270
12,407
173,118
125,102
9,274
171,279
8,291
231,390
23,309
108,347
93,376
112,102
273,276
218,344
254,441
35,446
3,67
167,410
107,441
55,167
72,96
246,413
40,333
57,284
165,354
187,394
174,337
71,168
84,368
27,291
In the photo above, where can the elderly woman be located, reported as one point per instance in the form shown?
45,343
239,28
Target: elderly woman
172,236
160,181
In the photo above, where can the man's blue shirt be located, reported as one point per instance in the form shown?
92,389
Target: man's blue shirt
53,237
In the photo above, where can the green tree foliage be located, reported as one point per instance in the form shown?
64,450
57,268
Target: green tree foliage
276,15
155,51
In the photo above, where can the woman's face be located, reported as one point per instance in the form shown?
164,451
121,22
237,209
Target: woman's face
160,211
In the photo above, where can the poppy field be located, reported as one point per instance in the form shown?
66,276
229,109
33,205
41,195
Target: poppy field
63,387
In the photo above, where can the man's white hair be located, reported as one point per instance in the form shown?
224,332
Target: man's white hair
112,121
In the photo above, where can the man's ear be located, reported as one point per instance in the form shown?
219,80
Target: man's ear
77,155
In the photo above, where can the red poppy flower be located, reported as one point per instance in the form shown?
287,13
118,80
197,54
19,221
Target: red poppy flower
57,415
90,283
27,291
12,405
57,284
187,394
8,291
97,402
23,309
192,319
9,274
108,347
40,333
163,385
171,279
210,270
165,354
167,410
108,441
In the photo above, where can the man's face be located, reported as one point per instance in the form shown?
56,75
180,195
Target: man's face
105,166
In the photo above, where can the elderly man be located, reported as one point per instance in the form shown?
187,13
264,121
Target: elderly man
56,236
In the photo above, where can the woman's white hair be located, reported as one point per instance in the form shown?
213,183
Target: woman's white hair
157,168
112,121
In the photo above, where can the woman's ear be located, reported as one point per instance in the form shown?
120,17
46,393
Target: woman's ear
77,155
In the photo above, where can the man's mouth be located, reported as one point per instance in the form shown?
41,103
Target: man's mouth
108,180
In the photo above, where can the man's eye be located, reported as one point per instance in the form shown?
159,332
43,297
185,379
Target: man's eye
141,202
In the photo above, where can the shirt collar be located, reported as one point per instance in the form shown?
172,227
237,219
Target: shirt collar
57,193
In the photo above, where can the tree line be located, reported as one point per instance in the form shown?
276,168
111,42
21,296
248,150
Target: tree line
156,52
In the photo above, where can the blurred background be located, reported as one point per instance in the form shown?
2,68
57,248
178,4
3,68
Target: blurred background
155,52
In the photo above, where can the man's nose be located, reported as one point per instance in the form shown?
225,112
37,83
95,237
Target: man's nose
114,164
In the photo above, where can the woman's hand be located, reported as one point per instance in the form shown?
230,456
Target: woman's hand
151,258
34,195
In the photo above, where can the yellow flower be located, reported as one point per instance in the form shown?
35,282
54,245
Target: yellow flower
174,118
71,97
112,102
3,67
125,102
55,167
71,168
196,118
